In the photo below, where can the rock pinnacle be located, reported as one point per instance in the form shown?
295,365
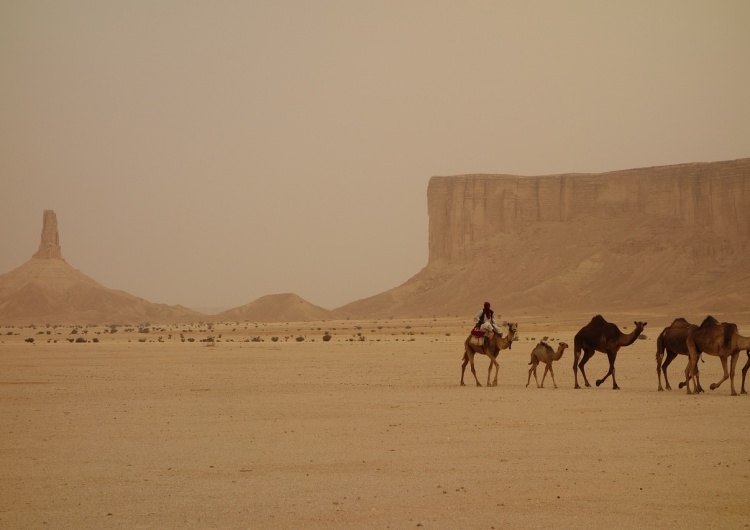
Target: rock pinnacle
49,247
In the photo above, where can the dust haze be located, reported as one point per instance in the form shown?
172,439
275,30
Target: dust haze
210,154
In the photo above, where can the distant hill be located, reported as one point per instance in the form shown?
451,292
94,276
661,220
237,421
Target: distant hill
285,307
46,289
671,239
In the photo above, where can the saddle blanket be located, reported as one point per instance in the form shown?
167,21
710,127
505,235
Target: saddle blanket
476,341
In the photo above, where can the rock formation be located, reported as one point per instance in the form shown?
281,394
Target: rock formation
287,307
46,289
49,247
655,239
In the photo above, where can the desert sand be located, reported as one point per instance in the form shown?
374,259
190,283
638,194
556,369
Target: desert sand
370,429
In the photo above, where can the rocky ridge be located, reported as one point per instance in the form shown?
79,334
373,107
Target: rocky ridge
671,239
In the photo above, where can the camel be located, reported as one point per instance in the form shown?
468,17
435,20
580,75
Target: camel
672,339
603,336
544,353
720,339
491,348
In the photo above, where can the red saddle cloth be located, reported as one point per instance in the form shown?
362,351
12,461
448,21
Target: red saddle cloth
477,332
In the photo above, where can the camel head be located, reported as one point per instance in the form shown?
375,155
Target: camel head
639,326
560,350
512,328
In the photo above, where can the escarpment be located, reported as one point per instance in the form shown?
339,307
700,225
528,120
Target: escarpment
463,210
660,239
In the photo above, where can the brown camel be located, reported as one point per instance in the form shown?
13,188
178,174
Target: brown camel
672,339
603,336
544,353
720,339
491,348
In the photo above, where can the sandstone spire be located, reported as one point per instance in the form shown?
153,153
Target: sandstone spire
49,247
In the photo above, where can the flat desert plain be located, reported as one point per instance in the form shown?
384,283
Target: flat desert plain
370,429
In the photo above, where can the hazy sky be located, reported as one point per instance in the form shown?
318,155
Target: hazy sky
209,153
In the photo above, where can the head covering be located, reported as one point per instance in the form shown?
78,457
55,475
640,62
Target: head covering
486,305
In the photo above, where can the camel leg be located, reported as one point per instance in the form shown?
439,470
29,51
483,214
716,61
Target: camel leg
744,372
552,373
689,370
670,357
692,364
714,386
544,375
587,354
497,369
533,369
463,367
735,357
489,370
659,357
473,370
611,356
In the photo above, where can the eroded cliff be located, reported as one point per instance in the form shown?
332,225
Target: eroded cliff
671,239
464,210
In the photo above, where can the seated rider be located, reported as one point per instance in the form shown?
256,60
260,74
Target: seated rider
485,320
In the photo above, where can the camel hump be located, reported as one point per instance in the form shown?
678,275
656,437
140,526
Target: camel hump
680,322
598,319
709,321
730,330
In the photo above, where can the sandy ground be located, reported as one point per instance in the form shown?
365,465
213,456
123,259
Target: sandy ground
370,433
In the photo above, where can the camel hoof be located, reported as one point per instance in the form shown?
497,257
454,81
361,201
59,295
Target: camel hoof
463,384
669,387
743,392
598,382
714,386
615,388
735,394
587,384
479,384
682,384
577,386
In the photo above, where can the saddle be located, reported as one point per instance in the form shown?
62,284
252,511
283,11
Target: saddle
475,341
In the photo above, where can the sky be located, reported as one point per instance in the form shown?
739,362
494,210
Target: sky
210,153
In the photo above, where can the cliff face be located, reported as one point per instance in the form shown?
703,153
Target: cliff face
670,240
464,210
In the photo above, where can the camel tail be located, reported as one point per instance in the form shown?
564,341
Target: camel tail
660,344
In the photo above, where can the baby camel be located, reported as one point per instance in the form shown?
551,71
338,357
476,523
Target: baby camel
544,353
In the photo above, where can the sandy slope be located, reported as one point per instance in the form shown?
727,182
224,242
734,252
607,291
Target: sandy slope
355,433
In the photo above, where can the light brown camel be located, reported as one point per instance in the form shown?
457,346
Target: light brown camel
491,348
603,336
673,340
720,339
544,353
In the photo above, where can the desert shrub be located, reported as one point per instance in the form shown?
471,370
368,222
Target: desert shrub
95,339
80,339
275,339
326,337
30,340
642,337
256,339
300,338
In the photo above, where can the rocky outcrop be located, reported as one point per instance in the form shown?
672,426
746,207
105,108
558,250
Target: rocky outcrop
672,239
464,210
49,247
286,307
46,289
